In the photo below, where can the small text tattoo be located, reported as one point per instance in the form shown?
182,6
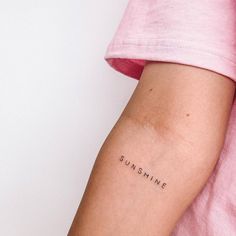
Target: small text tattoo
146,175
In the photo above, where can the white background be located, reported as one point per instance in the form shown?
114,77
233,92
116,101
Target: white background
59,100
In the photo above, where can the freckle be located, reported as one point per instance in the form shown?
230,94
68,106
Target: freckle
187,114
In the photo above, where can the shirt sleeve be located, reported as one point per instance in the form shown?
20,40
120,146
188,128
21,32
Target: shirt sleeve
200,33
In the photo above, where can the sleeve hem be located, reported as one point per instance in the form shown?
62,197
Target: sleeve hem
129,58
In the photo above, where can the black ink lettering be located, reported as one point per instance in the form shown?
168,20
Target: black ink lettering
133,166
145,174
127,163
140,170
163,185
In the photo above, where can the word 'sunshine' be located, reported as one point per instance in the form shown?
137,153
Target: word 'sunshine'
140,171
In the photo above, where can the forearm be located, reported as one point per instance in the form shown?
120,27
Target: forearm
122,199
153,163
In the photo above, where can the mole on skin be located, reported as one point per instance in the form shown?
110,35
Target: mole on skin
150,89
187,114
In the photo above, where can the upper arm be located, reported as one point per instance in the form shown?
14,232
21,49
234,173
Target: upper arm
184,103
188,109
159,154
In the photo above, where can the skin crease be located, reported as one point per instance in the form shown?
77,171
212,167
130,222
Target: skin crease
173,127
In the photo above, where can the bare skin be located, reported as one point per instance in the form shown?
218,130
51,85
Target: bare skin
159,154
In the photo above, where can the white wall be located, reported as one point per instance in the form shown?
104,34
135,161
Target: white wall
59,100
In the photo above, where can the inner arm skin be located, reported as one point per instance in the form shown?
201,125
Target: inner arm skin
173,128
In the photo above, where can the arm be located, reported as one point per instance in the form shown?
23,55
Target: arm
159,154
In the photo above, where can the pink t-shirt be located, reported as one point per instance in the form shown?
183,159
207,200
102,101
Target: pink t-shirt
200,33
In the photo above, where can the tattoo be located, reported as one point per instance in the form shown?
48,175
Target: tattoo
145,174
